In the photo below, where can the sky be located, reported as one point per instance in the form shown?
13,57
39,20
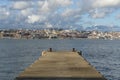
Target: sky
72,14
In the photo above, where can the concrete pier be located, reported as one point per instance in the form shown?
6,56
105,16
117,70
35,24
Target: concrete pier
60,65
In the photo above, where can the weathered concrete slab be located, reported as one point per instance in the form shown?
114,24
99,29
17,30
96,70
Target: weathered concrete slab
62,65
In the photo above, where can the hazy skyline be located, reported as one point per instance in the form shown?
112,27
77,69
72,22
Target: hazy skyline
75,14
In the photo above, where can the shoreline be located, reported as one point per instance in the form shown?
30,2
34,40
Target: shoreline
57,39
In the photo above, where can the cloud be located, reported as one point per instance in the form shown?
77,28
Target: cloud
35,18
52,5
45,7
40,3
48,25
99,8
105,3
100,13
20,5
26,12
71,12
58,12
63,2
92,4
118,16
68,12
4,13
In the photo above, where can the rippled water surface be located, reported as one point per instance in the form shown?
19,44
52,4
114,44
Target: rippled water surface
16,55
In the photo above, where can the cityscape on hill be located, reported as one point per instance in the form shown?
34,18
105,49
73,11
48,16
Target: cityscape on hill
57,33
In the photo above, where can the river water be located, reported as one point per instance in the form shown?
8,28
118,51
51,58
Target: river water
16,55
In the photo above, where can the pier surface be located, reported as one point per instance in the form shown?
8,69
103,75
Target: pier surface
61,65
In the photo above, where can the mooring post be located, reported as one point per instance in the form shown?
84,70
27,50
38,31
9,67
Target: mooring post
80,53
50,49
73,50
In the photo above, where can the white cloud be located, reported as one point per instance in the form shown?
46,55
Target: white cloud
63,2
97,14
67,12
4,13
45,7
26,12
100,13
40,3
99,8
52,5
59,3
48,25
118,16
35,18
20,4
71,12
62,12
106,3
92,4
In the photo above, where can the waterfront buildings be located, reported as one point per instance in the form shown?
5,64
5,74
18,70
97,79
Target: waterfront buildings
51,33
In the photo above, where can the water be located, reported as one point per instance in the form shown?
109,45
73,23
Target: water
16,55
